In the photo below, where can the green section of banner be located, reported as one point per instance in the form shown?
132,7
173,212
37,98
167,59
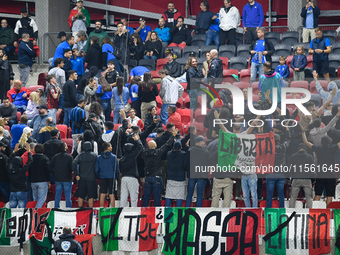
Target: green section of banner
276,244
225,146
171,225
3,239
106,217
336,226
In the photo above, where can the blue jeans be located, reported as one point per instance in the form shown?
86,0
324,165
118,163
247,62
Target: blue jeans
254,68
116,114
54,113
164,113
279,180
59,187
18,199
61,102
152,184
168,203
150,57
249,185
212,35
79,96
39,192
200,190
5,189
193,95
67,112
106,105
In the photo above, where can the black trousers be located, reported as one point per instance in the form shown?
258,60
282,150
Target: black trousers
228,35
251,35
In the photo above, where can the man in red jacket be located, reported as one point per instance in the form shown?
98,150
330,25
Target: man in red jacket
171,15
174,117
18,96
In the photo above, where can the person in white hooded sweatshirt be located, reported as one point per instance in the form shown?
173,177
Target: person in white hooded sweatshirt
229,21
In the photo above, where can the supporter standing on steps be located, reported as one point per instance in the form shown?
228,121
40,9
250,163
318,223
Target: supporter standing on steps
252,20
229,20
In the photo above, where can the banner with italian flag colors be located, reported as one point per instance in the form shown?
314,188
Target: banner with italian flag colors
211,231
15,226
243,150
306,231
79,220
131,229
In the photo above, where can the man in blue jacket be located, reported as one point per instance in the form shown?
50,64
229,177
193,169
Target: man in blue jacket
59,52
252,19
25,58
204,18
108,173
310,14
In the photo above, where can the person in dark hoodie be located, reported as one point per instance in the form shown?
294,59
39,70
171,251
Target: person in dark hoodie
193,75
74,246
25,58
107,137
52,145
107,171
215,73
6,75
4,183
17,176
153,169
181,35
61,168
302,180
86,175
39,175
177,167
83,81
70,95
150,117
172,66
94,55
92,125
128,168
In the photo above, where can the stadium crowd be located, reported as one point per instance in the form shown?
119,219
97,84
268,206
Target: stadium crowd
133,132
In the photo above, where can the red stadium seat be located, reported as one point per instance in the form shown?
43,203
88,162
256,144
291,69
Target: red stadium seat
7,128
69,142
334,205
159,86
186,115
206,203
275,204
2,204
245,75
159,111
299,84
338,73
34,88
63,130
200,117
161,63
289,60
42,79
225,62
255,98
148,140
227,75
323,83
155,74
291,74
184,85
159,101
242,84
180,103
18,116
116,126
255,87
32,204
199,128
309,61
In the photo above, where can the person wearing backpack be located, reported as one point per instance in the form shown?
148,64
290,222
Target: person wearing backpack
170,92
92,125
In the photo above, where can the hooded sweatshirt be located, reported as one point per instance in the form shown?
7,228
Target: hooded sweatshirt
327,94
17,173
82,83
107,166
270,80
87,163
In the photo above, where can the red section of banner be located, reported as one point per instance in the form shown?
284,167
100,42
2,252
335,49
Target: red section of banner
243,229
83,222
318,240
86,243
38,222
265,150
148,229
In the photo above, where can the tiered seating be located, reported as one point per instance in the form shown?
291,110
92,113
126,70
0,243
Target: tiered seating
35,87
198,40
188,49
331,35
227,51
323,84
290,37
148,63
205,49
227,75
243,50
273,37
282,50
238,63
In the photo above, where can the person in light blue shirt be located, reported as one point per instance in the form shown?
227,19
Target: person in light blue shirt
310,14
138,71
163,32
143,30
121,97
